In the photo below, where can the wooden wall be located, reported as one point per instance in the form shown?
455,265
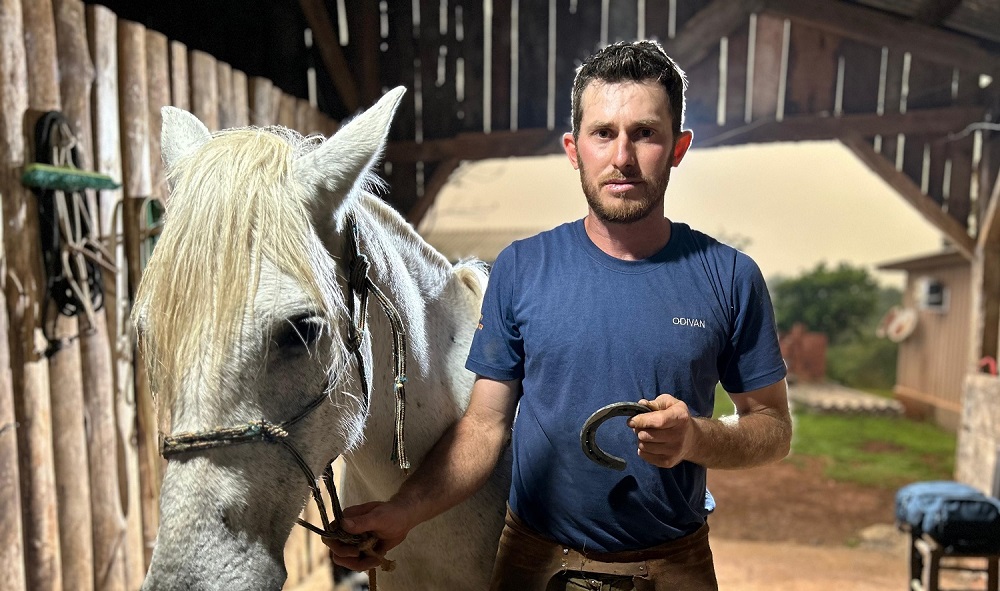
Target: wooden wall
933,361
79,469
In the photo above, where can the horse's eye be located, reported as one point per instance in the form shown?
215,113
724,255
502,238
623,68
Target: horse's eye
298,331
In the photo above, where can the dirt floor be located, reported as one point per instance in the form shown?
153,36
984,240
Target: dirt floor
786,527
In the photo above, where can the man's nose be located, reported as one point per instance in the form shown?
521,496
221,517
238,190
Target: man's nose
624,153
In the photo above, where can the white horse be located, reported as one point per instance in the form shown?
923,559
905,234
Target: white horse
242,315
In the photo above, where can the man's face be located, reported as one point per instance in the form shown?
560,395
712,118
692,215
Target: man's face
625,149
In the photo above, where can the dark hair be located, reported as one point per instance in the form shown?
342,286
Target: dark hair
635,61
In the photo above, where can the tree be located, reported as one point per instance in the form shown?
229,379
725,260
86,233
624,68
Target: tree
838,302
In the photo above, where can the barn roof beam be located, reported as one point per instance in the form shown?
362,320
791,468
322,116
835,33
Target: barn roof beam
922,122
881,29
701,34
329,50
478,146
908,190
536,142
935,12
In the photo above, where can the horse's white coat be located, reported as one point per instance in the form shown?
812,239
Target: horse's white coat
226,513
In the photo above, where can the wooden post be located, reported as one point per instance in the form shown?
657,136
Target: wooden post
25,290
224,75
134,109
180,82
151,466
11,542
262,110
241,99
205,89
88,366
286,110
106,497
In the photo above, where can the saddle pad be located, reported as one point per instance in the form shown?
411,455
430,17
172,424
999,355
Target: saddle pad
957,516
913,500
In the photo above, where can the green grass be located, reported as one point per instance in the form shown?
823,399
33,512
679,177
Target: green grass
872,451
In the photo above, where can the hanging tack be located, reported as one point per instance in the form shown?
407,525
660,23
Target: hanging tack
63,178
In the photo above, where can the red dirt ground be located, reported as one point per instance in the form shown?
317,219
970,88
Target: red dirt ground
787,527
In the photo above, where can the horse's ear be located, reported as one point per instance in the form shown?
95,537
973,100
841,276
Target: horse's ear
344,159
182,134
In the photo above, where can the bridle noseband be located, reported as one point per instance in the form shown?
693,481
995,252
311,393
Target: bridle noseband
359,286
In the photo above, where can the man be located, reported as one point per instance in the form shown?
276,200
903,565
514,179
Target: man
624,305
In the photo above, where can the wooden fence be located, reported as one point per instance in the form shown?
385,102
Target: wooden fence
79,469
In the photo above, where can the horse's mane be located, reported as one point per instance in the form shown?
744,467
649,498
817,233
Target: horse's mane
233,204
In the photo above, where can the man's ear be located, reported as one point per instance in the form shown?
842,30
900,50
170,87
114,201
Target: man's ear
569,145
682,145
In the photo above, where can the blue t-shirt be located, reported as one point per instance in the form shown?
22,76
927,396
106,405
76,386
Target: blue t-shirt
583,329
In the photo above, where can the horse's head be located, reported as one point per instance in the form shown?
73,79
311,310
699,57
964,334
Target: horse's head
241,318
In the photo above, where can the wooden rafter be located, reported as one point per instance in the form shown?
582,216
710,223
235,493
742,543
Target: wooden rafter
478,146
925,122
329,49
935,12
701,34
909,191
437,182
881,29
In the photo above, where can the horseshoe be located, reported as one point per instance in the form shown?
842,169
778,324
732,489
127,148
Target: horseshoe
588,434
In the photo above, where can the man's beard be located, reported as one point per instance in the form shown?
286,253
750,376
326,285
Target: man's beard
641,201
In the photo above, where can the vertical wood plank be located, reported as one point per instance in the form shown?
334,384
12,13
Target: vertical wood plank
861,76
959,191
303,123
180,76
767,66
286,110
533,60
812,71
363,50
137,182
437,74
470,49
398,69
204,88
261,111
106,503
500,85
241,99
33,406
623,21
151,465
893,92
11,542
224,73
703,91
736,75
90,360
12,376
577,35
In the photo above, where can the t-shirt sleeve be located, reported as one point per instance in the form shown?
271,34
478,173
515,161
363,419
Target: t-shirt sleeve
497,350
753,358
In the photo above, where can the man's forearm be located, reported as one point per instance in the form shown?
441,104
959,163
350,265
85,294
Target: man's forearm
455,468
741,442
